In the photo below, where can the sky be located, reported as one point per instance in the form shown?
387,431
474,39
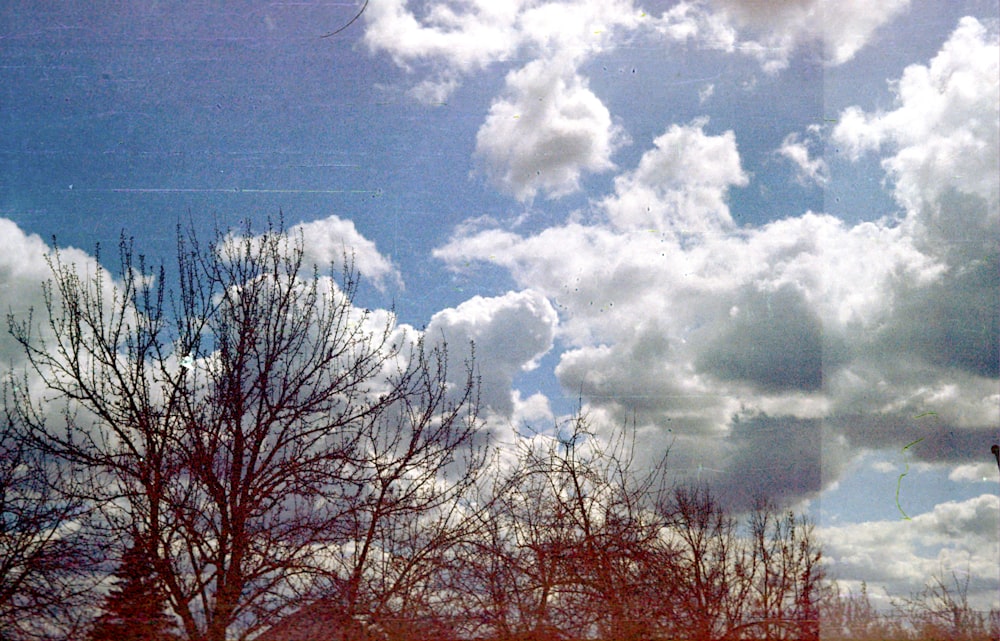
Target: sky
764,232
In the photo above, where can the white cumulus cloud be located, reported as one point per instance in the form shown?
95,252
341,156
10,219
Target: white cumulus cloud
956,537
329,240
509,333
546,132
680,184
771,31
809,329
974,473
942,136
810,169
453,39
24,267
468,35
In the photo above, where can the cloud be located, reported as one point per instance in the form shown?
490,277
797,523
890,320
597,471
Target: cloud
772,31
509,332
328,241
467,35
955,537
810,170
806,325
705,93
693,22
453,39
578,28
434,91
953,321
797,320
680,184
546,132
24,267
534,410
935,346
777,353
844,27
548,129
943,132
974,473
847,26
25,270
773,339
782,458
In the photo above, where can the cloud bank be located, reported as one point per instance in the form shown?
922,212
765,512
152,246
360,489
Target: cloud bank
548,130
804,335
890,556
509,334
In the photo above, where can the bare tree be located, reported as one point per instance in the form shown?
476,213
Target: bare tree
707,594
762,580
608,502
567,546
853,617
46,567
785,576
416,462
252,426
941,611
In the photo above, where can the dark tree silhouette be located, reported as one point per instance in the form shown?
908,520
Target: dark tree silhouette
265,436
785,576
44,562
567,543
942,611
707,595
762,580
135,608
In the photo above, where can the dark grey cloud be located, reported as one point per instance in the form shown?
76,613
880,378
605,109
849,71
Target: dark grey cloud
773,340
781,458
952,322
940,441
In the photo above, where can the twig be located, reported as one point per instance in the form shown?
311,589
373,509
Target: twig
352,21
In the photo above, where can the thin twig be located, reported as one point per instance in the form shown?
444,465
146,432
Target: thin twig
352,21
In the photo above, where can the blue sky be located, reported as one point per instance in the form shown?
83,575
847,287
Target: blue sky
766,231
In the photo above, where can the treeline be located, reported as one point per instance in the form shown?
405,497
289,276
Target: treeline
249,455
939,612
576,544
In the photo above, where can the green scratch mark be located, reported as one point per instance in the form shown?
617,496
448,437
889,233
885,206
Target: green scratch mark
899,482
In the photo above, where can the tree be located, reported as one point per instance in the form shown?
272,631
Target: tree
263,435
567,544
852,617
785,576
942,612
762,580
416,463
707,594
135,609
44,562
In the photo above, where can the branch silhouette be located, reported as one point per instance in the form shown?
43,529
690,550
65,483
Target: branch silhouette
349,23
